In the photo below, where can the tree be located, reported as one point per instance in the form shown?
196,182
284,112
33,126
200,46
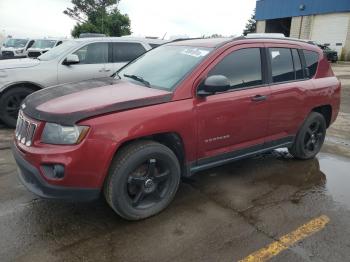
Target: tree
98,16
250,26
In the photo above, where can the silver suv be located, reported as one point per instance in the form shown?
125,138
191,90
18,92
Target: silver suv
72,61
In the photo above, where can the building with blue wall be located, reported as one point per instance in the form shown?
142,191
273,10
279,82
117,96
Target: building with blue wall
324,21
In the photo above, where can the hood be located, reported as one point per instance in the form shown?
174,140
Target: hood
70,103
18,63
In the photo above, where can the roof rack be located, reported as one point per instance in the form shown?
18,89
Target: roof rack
276,36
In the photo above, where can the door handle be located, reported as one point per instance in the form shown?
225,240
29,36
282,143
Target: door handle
258,98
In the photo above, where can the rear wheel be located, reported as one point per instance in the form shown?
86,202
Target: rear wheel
142,180
310,137
10,103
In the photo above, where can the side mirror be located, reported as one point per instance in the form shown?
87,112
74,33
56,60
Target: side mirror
71,60
213,84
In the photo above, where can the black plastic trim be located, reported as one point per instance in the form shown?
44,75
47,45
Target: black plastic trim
32,180
221,159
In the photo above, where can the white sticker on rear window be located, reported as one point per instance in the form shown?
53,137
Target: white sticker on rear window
274,54
196,52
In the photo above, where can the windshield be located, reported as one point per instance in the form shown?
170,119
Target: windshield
164,66
44,44
17,43
57,51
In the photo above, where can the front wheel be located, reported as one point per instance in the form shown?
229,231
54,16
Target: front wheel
142,180
10,103
310,137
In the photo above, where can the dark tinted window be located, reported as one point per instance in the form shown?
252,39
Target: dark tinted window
125,52
95,53
297,65
154,45
311,60
281,64
242,68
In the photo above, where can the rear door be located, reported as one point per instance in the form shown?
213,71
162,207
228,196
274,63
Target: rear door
93,59
122,53
289,85
236,119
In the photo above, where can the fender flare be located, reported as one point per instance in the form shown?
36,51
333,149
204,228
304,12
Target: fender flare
7,86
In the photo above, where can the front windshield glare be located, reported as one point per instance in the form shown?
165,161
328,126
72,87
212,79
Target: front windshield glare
16,43
57,51
44,44
164,66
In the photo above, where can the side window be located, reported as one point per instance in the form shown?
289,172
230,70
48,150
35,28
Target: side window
30,44
241,67
297,65
154,45
311,60
281,65
95,53
125,52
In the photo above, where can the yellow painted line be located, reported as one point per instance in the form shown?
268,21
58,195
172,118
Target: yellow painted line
288,240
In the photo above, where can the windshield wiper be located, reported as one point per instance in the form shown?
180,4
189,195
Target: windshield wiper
139,79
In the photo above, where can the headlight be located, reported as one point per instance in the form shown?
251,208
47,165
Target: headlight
63,135
19,51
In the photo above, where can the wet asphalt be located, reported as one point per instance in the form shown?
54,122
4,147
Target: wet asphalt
222,214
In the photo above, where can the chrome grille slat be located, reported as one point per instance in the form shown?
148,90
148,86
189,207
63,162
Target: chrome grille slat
25,130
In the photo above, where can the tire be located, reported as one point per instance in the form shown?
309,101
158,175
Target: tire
310,137
10,103
142,181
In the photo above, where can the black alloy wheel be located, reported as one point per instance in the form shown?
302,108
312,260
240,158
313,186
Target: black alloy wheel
310,137
148,184
143,179
314,137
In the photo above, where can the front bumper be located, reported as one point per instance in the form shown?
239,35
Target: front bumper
32,180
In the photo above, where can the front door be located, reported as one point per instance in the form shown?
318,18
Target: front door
236,119
93,60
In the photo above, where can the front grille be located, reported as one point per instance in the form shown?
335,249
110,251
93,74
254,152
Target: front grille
34,54
8,54
25,130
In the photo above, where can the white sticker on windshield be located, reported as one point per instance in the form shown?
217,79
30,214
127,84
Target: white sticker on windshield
195,52
274,54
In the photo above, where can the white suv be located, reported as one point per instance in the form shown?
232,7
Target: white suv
41,46
72,61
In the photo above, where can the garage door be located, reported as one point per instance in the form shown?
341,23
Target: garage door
330,29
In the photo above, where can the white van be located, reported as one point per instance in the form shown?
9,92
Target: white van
16,47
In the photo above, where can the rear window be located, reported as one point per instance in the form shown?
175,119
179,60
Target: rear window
311,61
281,65
125,52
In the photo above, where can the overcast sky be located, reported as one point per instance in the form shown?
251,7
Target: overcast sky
41,18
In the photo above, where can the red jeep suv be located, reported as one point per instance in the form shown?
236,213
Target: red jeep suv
183,107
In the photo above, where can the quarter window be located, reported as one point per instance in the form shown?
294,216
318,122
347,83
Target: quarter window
125,52
242,68
297,65
311,60
281,65
95,53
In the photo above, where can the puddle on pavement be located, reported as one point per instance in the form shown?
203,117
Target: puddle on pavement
329,173
337,171
276,176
